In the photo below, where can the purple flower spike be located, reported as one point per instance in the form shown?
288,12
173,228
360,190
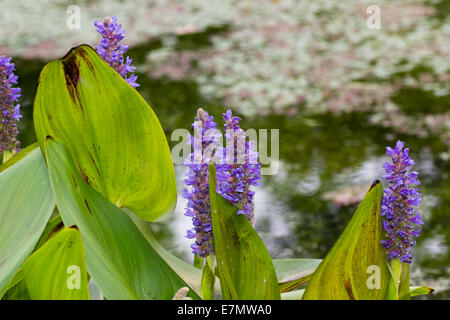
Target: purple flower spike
9,110
399,205
239,169
112,51
198,207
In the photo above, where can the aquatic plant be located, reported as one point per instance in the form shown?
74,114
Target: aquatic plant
77,204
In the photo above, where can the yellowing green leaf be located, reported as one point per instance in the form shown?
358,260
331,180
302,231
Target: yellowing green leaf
57,271
355,267
418,291
114,137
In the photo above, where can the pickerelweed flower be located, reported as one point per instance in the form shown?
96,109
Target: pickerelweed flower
239,168
112,51
9,110
198,206
399,205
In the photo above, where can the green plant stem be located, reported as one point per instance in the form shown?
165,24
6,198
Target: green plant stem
208,279
395,268
8,155
198,262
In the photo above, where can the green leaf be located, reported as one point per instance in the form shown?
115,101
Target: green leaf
208,279
57,271
114,137
17,292
26,202
292,273
244,265
119,258
52,226
418,291
18,277
355,267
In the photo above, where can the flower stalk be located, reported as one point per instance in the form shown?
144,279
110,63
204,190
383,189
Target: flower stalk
9,109
111,50
402,221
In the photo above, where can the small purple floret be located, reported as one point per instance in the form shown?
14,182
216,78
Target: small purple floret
9,110
112,51
402,222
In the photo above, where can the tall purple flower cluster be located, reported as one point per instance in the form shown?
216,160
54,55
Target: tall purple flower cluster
9,110
399,205
112,51
198,207
239,169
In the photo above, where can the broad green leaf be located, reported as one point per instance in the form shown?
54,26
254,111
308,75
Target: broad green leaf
418,291
52,226
355,267
244,265
114,137
57,271
119,258
26,203
292,273
18,277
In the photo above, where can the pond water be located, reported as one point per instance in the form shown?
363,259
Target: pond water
327,162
